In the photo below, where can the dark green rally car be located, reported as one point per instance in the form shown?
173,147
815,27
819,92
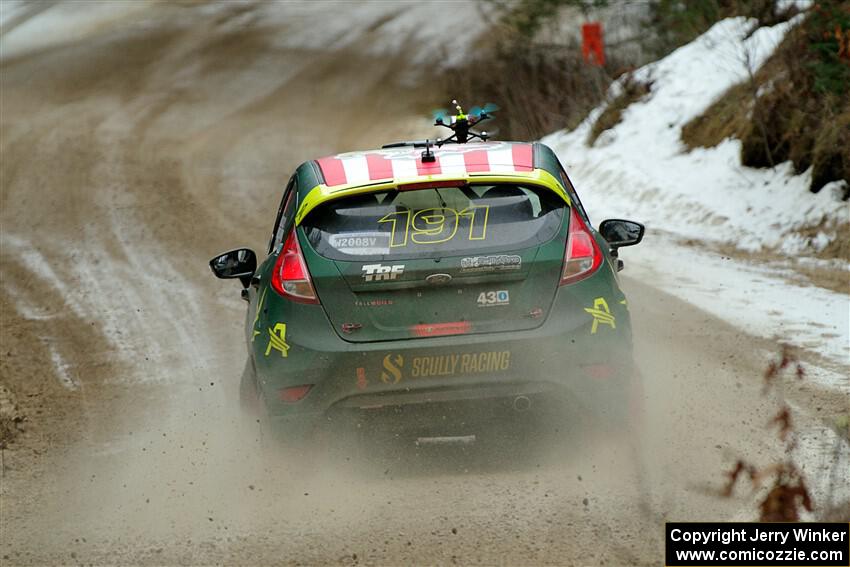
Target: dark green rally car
445,288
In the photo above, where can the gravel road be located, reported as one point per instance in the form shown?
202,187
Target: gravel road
133,153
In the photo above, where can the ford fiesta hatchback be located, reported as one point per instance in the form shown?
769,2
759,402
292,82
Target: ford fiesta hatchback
465,279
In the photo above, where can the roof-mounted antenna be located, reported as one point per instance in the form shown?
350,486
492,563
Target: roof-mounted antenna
428,156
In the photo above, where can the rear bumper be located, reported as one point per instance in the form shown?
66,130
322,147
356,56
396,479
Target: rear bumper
433,412
406,383
482,410
567,357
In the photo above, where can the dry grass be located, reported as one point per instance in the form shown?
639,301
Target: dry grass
633,91
839,247
828,277
727,118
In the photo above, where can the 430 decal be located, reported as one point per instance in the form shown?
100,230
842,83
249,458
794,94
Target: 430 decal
432,226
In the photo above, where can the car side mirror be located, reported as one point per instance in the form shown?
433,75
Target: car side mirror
619,233
240,263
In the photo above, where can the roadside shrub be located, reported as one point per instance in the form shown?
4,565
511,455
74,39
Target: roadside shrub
544,87
539,88
796,107
677,22
805,115
788,493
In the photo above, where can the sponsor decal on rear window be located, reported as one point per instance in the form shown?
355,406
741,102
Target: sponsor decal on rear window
361,243
491,263
436,225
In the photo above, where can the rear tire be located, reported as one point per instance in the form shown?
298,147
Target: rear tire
272,443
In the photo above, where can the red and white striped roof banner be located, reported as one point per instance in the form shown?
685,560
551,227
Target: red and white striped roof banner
406,163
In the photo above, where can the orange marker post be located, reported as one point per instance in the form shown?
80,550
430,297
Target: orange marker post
592,45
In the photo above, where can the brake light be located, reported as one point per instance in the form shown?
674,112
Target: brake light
290,277
429,185
583,255
294,394
599,371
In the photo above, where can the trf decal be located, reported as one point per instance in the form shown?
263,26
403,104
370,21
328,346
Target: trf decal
378,272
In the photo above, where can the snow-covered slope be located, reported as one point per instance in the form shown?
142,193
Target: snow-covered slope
640,170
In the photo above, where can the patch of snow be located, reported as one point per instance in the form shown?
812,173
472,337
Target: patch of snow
24,307
824,459
758,299
35,261
801,5
62,367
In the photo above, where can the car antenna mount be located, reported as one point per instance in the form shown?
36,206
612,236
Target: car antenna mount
428,156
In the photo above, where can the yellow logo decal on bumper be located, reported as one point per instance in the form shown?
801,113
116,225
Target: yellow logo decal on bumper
392,369
277,340
601,314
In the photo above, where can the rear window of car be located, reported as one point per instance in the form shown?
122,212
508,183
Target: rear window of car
432,222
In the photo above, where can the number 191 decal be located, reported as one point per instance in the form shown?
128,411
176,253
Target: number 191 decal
433,226
493,298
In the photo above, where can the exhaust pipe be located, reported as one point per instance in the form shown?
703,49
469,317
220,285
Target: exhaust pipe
522,403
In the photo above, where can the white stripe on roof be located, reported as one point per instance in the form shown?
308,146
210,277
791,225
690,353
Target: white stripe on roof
452,164
404,168
356,170
501,159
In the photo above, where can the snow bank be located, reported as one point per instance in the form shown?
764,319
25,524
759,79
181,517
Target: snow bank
640,169
760,300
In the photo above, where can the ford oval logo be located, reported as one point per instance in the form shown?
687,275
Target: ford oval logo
437,279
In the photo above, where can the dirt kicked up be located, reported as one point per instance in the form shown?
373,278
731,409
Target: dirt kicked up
134,151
